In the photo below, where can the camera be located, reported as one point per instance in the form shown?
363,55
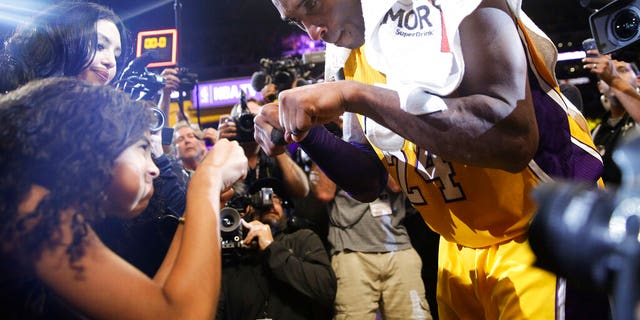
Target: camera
616,25
138,82
282,73
591,236
159,119
188,80
231,231
243,118
141,86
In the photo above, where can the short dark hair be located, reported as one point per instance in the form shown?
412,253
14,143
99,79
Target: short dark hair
61,41
63,134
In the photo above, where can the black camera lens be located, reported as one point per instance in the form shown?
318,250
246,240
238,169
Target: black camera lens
229,219
158,120
570,230
227,222
625,24
245,122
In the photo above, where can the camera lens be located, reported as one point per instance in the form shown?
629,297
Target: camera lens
245,122
158,120
229,219
625,24
227,222
570,232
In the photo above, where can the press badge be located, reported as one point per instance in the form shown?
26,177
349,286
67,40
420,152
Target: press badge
381,206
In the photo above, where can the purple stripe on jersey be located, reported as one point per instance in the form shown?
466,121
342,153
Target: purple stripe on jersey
586,166
556,155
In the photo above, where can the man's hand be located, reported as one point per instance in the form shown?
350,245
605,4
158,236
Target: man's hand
156,144
601,65
210,136
305,107
260,231
264,123
227,128
171,80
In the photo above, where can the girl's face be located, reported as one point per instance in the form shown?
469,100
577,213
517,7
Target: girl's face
132,185
103,67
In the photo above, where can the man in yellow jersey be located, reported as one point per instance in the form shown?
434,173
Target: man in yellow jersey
457,101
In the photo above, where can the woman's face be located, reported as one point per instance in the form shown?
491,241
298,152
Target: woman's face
103,67
132,185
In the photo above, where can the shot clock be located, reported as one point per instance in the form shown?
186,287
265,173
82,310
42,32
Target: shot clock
164,42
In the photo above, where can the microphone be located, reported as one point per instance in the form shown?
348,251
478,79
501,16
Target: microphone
139,64
259,79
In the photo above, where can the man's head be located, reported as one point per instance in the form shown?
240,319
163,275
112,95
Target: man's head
628,72
190,149
335,21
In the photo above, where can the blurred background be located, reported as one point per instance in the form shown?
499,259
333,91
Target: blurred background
226,39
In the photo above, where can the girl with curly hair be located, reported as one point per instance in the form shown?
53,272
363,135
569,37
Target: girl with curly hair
88,41
70,39
71,154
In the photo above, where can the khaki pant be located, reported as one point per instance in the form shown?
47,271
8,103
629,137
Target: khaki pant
390,281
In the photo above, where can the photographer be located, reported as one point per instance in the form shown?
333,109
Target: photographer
191,144
239,126
175,81
172,83
618,86
285,275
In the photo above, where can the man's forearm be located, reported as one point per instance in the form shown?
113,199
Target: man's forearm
358,169
628,97
295,179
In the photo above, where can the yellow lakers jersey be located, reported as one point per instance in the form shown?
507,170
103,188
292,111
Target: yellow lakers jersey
478,207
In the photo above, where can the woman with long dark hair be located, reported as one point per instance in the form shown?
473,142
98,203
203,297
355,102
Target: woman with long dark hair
71,39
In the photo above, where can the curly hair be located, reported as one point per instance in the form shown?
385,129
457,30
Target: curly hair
59,42
64,135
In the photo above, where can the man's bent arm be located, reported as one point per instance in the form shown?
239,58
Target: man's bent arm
489,120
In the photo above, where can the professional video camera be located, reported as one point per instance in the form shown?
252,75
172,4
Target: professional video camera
137,81
592,236
142,84
231,231
282,73
615,25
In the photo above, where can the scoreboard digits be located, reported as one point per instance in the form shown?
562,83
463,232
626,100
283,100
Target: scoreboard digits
164,42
